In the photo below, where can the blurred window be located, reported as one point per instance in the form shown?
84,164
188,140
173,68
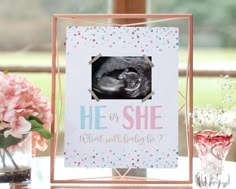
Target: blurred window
26,25
213,21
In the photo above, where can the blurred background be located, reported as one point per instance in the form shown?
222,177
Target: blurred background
26,25
25,38
25,30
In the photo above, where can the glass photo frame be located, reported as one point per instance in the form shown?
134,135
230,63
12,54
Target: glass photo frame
182,174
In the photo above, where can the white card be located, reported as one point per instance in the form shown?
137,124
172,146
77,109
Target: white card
131,118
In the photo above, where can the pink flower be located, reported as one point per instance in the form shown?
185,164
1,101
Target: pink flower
18,127
3,125
19,99
38,143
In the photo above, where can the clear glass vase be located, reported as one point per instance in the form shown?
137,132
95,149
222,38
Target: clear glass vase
212,148
15,159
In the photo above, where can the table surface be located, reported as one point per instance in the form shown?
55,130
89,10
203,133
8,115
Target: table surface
41,176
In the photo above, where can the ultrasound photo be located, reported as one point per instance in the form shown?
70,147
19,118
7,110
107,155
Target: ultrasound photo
127,77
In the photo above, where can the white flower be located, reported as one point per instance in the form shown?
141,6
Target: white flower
221,117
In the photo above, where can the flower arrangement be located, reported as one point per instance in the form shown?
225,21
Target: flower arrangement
213,128
221,117
22,109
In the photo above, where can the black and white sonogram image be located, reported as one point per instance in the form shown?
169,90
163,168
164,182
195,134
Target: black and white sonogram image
127,77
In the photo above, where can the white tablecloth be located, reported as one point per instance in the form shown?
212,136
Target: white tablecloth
41,172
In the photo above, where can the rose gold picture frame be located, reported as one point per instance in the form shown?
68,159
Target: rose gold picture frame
56,161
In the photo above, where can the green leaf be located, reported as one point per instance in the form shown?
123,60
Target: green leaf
31,117
6,142
44,133
38,127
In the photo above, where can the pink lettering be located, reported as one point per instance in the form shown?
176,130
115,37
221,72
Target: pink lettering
141,118
154,117
128,117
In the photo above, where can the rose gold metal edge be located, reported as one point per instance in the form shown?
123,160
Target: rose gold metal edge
118,186
190,97
122,181
53,96
117,16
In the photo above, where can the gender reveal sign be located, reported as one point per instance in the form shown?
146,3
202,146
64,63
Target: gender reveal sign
121,106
